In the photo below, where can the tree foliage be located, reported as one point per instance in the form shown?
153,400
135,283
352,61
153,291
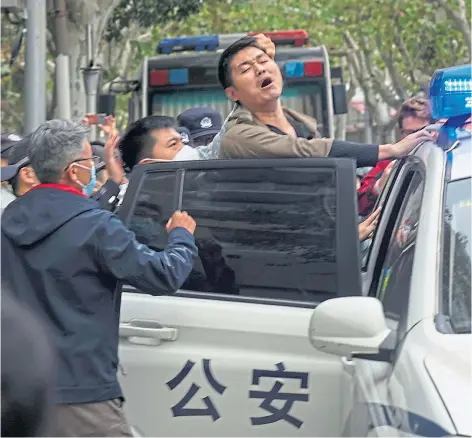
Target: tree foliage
392,47
388,48
148,13
119,26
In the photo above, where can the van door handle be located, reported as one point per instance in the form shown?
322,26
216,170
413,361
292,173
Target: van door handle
349,366
148,329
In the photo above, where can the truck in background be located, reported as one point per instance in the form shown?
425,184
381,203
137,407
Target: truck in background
184,75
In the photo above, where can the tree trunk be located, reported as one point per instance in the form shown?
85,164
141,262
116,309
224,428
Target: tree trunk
81,13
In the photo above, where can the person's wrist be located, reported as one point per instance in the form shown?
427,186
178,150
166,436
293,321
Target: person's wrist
117,177
386,151
116,180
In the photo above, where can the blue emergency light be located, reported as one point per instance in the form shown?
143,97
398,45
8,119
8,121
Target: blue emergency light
451,98
451,92
213,42
197,44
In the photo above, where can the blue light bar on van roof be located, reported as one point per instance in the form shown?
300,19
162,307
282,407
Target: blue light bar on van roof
451,92
297,38
197,44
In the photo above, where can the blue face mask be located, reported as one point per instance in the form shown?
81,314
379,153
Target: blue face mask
88,189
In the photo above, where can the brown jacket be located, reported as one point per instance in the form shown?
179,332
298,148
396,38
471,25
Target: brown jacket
247,137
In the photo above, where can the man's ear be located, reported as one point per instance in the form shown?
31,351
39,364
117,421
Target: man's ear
232,93
71,173
30,176
27,175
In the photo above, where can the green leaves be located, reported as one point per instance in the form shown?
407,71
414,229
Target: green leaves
406,38
148,13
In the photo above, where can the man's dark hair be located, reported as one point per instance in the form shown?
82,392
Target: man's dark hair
138,142
414,107
224,64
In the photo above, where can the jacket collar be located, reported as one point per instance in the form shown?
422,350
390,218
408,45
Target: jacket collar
62,187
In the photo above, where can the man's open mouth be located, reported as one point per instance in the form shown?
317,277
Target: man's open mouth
266,82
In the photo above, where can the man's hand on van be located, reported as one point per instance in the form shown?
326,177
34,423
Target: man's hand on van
366,228
181,219
266,44
405,146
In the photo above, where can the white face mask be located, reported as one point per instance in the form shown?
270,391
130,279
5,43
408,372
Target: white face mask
187,153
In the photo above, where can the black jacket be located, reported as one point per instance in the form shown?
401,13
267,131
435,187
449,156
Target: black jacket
63,256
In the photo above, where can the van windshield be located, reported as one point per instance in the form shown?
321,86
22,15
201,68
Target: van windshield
456,255
306,98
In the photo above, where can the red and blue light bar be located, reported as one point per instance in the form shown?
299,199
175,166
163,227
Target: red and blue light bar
296,38
176,76
201,76
300,69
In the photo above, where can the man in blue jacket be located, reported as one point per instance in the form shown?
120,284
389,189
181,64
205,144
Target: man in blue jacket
62,256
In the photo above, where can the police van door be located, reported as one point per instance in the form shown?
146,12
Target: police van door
228,354
379,406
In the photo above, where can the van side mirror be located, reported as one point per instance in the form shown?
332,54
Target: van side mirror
349,327
339,99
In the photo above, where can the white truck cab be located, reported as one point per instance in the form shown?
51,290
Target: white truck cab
280,330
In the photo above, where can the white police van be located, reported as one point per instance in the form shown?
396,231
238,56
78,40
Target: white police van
239,351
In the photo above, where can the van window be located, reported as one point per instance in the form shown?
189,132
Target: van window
276,235
456,255
394,285
265,233
303,98
153,208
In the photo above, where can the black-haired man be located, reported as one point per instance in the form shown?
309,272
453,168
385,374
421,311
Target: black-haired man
157,137
261,128
153,138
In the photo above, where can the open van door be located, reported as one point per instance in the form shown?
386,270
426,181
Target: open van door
228,354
